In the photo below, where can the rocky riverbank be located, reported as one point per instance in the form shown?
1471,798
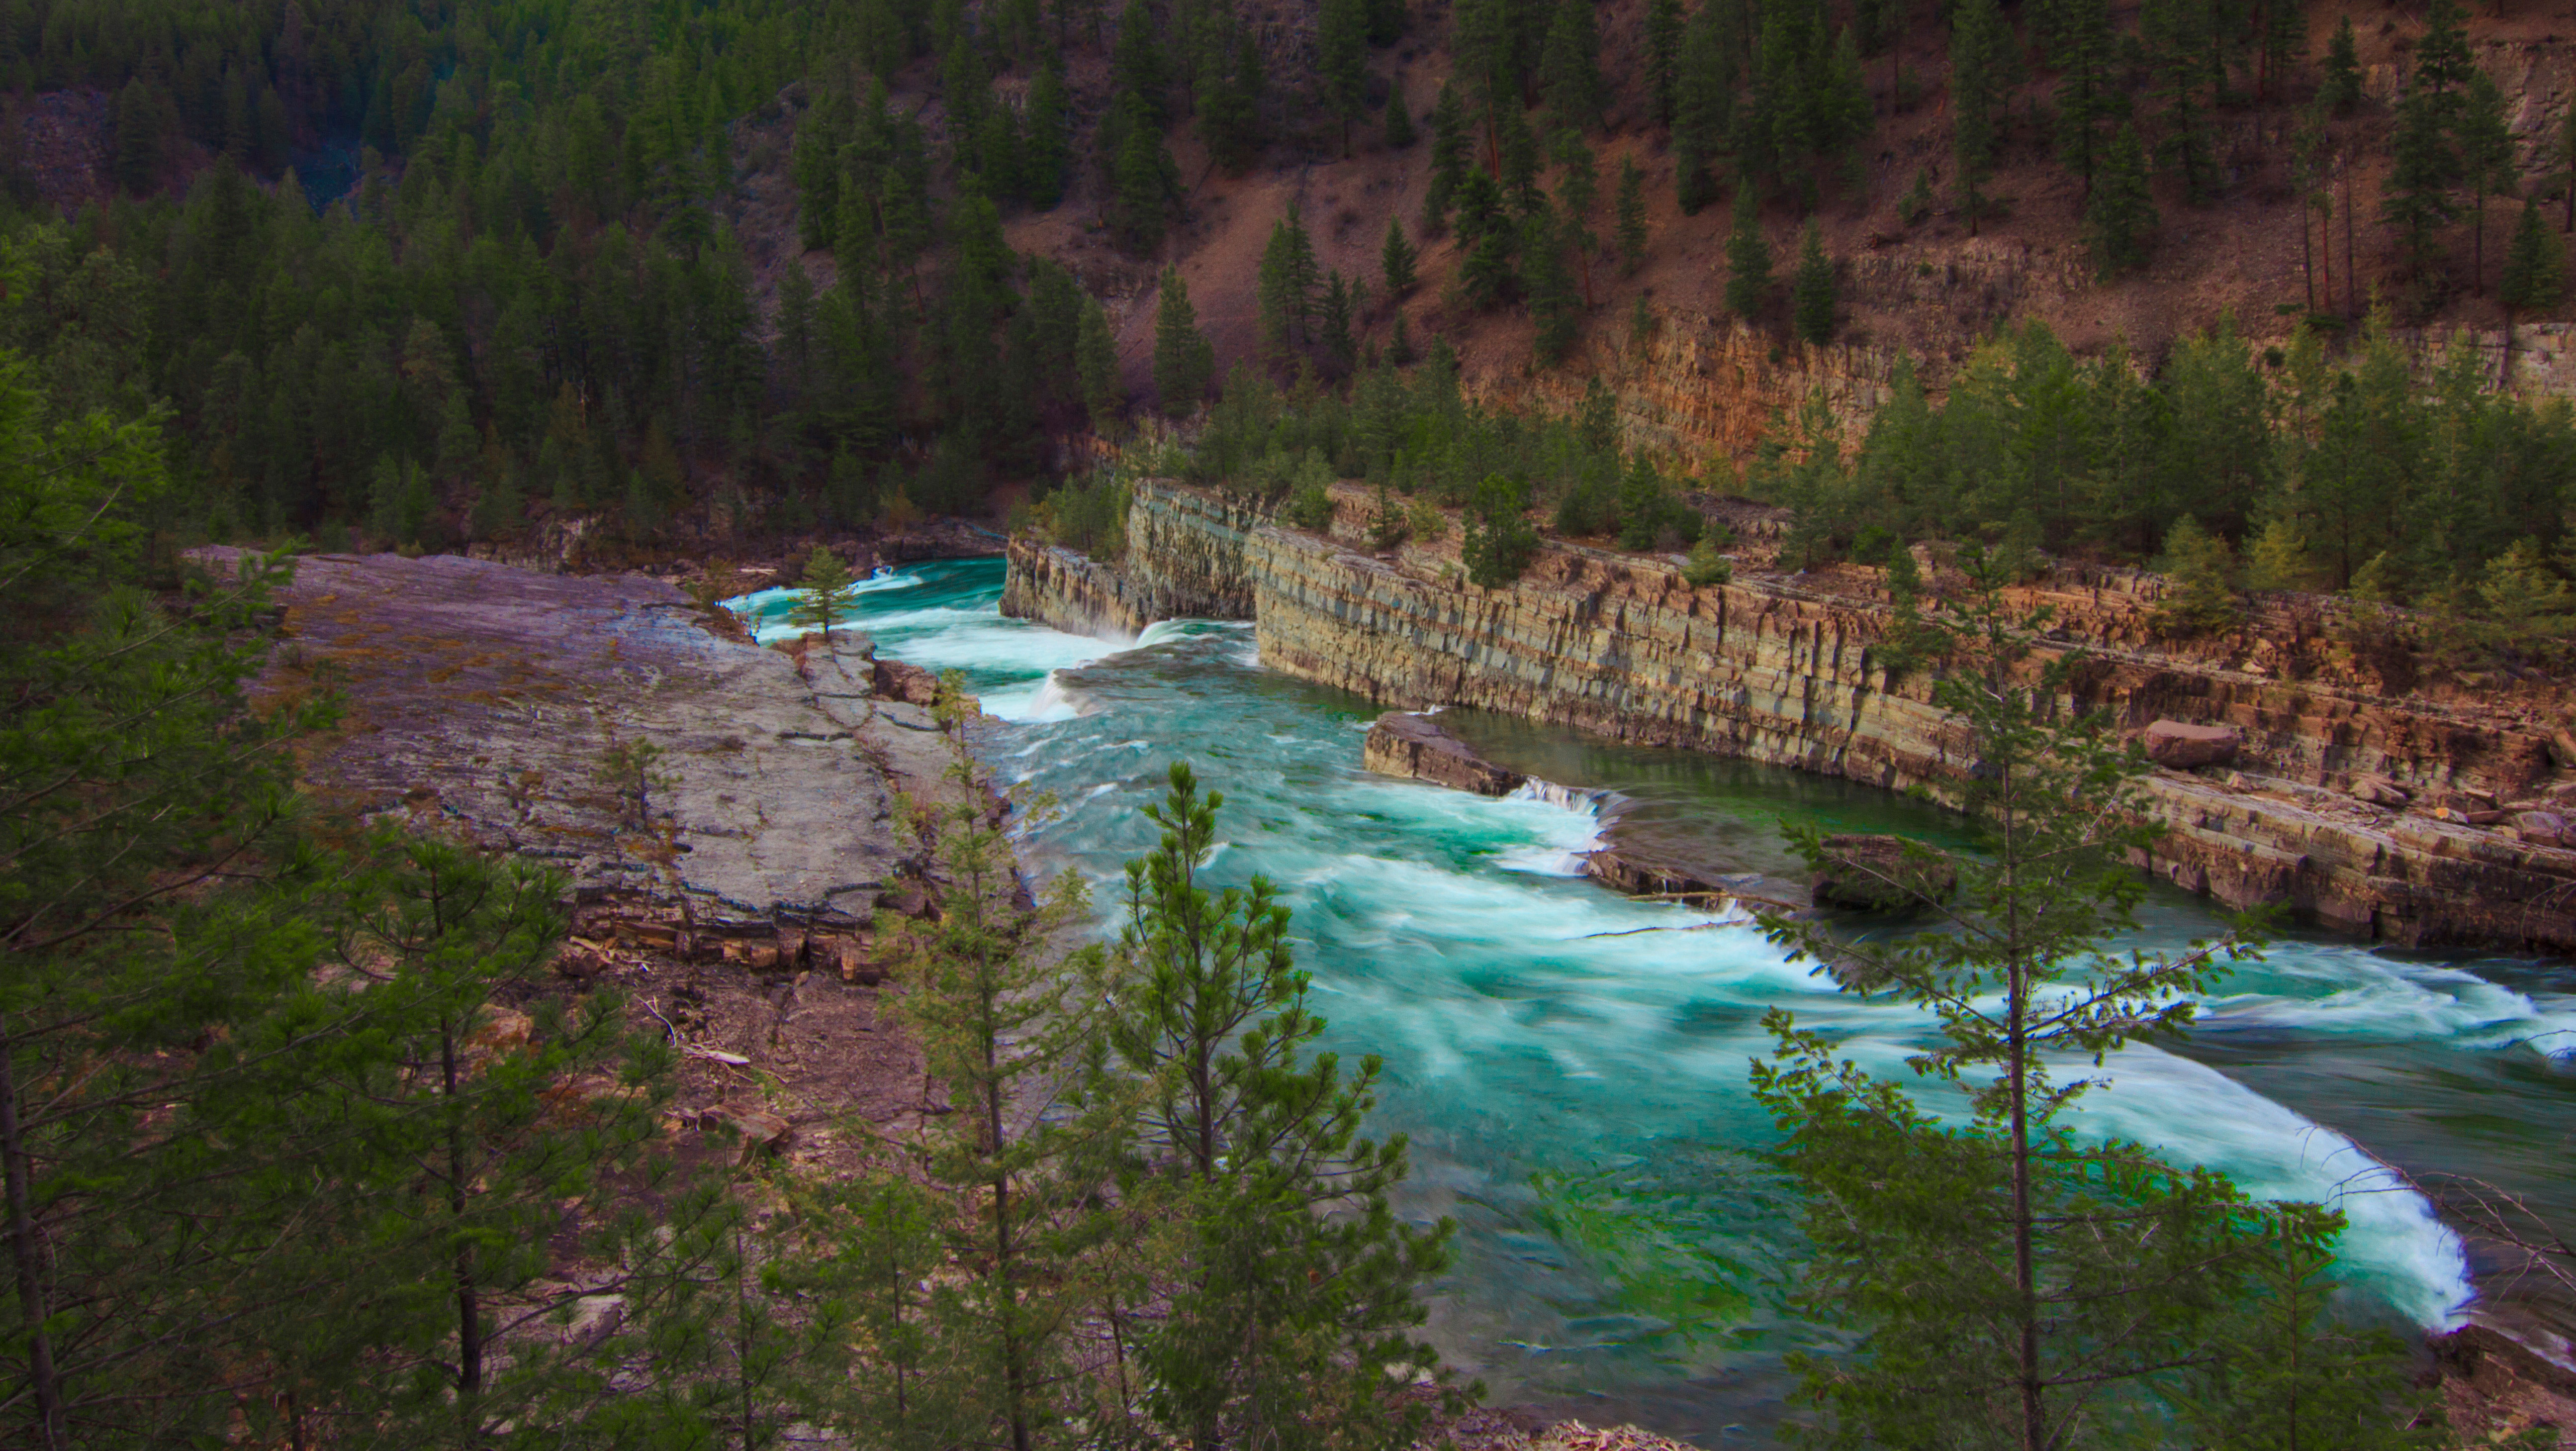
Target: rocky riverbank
2413,820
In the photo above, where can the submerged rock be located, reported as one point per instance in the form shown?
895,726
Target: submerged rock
1414,745
1882,874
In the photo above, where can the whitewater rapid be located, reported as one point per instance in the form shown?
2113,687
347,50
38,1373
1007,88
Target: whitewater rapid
1535,1025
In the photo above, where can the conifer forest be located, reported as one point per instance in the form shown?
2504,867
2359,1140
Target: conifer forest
1287,725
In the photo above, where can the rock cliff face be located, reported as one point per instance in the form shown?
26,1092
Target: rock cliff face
1772,671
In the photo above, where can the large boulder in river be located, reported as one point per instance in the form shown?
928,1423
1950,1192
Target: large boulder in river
1881,874
896,680
2180,745
1407,743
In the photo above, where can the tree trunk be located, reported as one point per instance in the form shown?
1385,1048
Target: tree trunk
2351,263
469,1305
2034,1418
53,1430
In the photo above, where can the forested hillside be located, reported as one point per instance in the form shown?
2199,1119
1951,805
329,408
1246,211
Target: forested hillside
720,269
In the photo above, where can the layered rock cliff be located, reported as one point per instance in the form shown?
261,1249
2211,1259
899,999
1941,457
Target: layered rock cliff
2341,803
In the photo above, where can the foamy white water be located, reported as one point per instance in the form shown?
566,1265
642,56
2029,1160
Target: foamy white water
1531,1020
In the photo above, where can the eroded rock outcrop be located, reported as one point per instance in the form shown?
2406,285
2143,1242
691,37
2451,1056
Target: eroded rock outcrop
1771,669
1407,743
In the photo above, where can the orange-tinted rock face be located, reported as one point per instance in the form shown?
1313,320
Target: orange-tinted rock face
1769,670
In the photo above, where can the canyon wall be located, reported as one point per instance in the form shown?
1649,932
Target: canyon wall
2340,804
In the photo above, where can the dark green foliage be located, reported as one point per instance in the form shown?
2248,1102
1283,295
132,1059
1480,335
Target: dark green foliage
1984,68
1396,259
1341,52
1703,107
1487,277
2090,96
1812,292
2120,219
1553,304
2181,40
1285,290
1499,542
1748,260
1146,181
2533,276
1184,360
1284,1317
1570,64
2339,86
1449,159
2000,1278
1663,56
1630,204
1096,366
2202,570
1399,130
2484,135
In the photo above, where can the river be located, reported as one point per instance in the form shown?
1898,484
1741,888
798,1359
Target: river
1570,1067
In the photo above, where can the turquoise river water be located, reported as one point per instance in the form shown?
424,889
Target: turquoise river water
1574,1086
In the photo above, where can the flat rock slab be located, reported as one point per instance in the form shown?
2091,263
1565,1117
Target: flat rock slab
489,698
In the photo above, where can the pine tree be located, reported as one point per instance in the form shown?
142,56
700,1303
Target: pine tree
826,585
1006,1027
2417,198
1399,116
1449,159
2202,571
1663,48
1631,207
1341,51
1703,108
1047,147
2181,40
1748,260
2339,89
1570,65
1545,239
1334,327
1499,542
1095,355
1184,360
1983,72
1812,294
1396,259
1283,1317
1578,187
2533,272
2486,150
2121,218
1146,178
1285,288
1487,276
2001,1279
2089,95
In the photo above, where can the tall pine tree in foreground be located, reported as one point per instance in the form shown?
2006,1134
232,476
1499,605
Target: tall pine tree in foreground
2004,1279
1284,1318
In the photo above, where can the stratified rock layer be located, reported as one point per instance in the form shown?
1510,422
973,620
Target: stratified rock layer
1618,644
